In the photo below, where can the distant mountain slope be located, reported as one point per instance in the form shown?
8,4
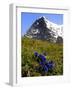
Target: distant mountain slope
43,29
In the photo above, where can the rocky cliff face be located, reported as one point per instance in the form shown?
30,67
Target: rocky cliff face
45,30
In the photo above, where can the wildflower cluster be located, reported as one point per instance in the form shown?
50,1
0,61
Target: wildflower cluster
45,64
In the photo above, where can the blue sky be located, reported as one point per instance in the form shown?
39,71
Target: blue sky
27,19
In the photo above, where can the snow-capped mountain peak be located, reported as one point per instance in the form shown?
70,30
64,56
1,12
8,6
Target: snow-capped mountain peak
44,29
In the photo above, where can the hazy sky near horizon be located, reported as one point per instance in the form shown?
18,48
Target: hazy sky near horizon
27,19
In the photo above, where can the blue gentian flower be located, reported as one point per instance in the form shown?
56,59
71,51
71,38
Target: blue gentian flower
41,63
36,54
42,57
45,65
50,64
45,68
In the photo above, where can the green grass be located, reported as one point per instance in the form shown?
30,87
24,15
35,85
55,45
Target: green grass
29,64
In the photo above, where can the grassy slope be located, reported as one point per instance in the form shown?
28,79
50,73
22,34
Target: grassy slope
54,52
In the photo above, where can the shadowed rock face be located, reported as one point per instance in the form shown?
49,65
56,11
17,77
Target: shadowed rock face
40,30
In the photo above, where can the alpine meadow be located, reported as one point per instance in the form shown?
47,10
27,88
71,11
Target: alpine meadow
41,45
